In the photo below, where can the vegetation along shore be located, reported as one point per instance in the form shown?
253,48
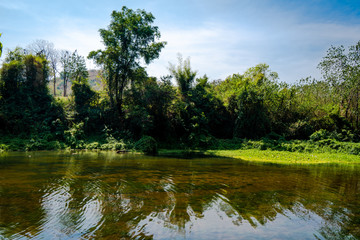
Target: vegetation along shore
49,100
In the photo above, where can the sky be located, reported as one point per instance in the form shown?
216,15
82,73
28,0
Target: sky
221,37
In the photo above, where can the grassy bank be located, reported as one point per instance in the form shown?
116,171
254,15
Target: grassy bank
269,156
284,157
271,151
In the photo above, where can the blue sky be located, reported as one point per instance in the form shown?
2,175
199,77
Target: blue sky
222,37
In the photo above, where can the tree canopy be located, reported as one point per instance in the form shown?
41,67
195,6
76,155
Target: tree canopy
341,69
183,74
129,38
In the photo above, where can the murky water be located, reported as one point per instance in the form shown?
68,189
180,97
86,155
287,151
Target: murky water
59,195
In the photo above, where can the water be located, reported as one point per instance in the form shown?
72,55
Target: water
89,195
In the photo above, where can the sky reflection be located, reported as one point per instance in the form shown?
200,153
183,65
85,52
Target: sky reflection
158,198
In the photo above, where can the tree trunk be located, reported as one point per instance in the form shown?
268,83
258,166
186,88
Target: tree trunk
119,107
357,109
54,84
65,86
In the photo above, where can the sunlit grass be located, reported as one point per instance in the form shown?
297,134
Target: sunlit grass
284,157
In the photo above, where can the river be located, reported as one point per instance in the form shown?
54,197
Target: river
104,195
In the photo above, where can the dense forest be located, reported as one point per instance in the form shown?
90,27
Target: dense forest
178,110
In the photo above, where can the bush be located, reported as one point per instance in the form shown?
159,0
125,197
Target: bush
147,145
93,145
274,136
320,135
228,144
300,130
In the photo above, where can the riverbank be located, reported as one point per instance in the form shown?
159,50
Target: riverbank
270,156
326,151
284,157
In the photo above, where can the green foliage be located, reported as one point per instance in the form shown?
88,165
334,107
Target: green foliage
86,107
320,135
11,78
183,75
15,55
1,46
300,129
341,69
74,137
343,136
16,143
197,113
252,110
112,144
73,68
147,145
147,105
252,120
78,71
26,106
320,146
129,38
216,120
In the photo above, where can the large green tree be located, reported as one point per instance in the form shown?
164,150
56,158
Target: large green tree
341,69
129,38
25,104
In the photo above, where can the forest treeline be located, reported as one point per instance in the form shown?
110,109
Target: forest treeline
193,113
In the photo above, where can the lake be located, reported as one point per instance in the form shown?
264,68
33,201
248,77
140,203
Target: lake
104,195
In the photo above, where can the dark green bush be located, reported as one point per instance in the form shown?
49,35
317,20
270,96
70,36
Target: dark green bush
320,135
147,145
274,136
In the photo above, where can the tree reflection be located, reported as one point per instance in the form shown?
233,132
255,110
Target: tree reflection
109,197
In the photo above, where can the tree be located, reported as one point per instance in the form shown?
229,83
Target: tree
16,55
46,48
73,68
1,46
25,104
65,61
183,75
252,120
129,39
147,108
341,69
78,70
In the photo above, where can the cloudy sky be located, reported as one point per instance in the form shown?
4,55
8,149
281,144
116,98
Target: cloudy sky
221,37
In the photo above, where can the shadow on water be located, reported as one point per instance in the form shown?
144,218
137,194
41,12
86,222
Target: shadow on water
184,154
102,195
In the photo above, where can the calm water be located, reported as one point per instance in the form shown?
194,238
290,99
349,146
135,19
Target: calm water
59,195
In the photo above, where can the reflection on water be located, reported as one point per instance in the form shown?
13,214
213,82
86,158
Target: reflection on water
59,195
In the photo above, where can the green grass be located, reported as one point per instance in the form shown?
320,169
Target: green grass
284,157
269,156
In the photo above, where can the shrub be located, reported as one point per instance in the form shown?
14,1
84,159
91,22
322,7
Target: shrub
147,145
320,135
300,130
93,145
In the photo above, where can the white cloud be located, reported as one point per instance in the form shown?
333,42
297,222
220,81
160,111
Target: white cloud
72,34
294,51
213,50
219,50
